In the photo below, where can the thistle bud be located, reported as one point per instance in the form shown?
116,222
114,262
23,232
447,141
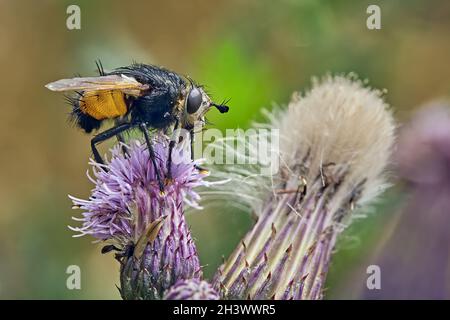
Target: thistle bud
335,142
147,229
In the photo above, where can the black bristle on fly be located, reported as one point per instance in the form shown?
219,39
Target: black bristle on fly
79,118
100,69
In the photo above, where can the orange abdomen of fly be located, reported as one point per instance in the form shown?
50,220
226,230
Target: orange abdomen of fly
103,104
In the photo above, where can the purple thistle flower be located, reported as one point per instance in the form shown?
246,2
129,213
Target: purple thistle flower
148,229
193,289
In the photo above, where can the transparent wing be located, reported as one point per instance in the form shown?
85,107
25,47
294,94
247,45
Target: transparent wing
123,83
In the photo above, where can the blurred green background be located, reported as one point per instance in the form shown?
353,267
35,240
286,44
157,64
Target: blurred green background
255,52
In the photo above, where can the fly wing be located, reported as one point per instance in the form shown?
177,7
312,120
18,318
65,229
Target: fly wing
128,85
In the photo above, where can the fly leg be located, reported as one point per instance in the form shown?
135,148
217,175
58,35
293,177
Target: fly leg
172,143
121,139
192,139
105,135
151,152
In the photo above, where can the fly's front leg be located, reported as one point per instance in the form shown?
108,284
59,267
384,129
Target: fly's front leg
192,138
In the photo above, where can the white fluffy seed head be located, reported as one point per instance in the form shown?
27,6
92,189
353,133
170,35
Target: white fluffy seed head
340,122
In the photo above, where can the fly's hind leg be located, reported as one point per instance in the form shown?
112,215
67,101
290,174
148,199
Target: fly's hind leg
105,135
